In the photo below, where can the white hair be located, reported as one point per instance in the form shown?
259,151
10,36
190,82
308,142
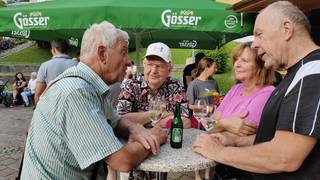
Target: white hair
34,74
105,34
290,11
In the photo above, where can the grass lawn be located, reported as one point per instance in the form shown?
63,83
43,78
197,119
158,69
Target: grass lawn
31,56
7,74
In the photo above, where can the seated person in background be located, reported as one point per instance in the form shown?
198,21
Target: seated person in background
19,84
206,67
240,110
135,94
30,90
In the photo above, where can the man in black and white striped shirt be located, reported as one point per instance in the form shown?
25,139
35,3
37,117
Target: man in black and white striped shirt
287,144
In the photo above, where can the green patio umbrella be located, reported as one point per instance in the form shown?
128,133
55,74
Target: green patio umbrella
201,24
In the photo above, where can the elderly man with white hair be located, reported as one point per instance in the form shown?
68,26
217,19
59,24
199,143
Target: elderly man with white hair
74,128
30,90
136,94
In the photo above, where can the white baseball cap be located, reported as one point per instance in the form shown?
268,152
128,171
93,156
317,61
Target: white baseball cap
159,49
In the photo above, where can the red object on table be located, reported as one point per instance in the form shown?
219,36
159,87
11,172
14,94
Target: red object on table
194,123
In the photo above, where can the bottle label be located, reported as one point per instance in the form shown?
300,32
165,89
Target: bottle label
176,135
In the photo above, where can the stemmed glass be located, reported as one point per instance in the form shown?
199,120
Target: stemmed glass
134,71
156,108
199,109
209,122
209,110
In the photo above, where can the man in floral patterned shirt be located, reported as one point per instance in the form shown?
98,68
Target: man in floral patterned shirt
135,94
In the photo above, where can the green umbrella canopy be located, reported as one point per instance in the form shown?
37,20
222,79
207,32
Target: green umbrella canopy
201,24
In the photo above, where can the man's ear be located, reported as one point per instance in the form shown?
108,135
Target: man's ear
288,29
170,68
102,54
53,50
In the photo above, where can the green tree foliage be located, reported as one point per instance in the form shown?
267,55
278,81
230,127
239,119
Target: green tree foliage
220,56
2,4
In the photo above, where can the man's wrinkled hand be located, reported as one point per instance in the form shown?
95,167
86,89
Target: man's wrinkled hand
142,135
226,138
207,146
161,133
151,139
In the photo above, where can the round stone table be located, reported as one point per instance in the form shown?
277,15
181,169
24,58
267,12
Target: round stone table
177,160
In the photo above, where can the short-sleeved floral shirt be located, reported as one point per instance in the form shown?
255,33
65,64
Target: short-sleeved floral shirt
134,96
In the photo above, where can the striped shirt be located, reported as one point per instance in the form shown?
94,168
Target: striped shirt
69,130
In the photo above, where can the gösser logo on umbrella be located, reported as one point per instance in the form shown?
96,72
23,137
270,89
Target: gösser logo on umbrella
35,19
201,24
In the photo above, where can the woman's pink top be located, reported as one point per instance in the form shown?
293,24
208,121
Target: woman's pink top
235,104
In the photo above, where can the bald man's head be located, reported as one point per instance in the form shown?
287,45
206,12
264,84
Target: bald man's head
280,11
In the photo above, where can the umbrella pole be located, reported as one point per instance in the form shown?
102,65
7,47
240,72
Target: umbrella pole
138,41
193,53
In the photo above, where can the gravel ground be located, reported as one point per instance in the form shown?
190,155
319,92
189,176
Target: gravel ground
14,123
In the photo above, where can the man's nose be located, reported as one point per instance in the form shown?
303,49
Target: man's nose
254,44
128,61
154,68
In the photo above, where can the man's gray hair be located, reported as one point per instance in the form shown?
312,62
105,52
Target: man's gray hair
105,34
34,74
290,11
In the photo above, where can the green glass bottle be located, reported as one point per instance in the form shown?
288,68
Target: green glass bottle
176,131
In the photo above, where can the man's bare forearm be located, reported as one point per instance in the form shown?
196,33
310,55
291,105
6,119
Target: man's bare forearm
245,140
138,117
284,153
127,126
253,158
127,157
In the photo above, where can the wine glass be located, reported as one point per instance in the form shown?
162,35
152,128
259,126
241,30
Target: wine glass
209,124
134,71
208,110
155,108
208,121
199,109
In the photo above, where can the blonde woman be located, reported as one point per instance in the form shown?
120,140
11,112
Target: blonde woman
241,108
